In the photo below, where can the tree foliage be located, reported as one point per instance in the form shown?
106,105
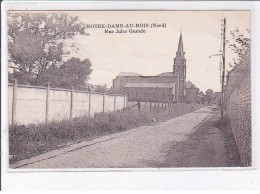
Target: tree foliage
101,89
73,72
37,44
209,95
240,45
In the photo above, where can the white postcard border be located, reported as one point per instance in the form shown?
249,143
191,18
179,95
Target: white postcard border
182,178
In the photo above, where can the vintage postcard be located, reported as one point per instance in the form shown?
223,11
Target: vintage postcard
129,89
129,95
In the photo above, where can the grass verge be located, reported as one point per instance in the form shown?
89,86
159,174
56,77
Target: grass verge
232,152
32,140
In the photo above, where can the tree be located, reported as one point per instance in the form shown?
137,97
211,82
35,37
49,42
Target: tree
210,95
74,72
37,41
101,89
240,44
114,91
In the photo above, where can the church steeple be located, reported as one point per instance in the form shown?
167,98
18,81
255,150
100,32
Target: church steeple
179,69
180,59
180,51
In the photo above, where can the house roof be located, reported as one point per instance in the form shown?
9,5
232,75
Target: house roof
201,94
190,85
122,74
149,85
166,74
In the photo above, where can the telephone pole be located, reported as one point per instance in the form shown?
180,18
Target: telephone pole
223,70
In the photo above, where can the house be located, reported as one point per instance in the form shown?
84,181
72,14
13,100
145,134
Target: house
192,93
202,98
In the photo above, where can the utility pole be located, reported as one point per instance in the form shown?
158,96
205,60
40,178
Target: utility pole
223,70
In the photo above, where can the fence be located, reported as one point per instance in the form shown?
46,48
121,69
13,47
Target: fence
33,104
238,98
150,105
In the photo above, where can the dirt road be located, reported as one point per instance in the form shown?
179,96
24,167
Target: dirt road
146,146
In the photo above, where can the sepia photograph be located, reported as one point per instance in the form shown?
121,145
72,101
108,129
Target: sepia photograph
129,89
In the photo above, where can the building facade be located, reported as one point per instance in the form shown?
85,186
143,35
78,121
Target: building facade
165,87
151,92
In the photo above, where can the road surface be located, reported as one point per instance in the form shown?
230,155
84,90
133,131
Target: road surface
142,147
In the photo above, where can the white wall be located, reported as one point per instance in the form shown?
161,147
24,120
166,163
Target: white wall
10,100
80,104
59,105
96,101
109,103
31,104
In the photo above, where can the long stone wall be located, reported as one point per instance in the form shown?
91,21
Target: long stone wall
238,97
33,105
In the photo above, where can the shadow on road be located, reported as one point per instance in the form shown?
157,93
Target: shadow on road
212,145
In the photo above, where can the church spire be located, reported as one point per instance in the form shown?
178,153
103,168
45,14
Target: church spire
180,51
180,59
179,68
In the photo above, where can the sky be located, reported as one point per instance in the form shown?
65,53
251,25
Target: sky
152,53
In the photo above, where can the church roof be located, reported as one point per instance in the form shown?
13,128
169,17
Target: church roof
122,74
166,74
149,85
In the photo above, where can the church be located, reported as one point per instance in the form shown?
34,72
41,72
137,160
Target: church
168,87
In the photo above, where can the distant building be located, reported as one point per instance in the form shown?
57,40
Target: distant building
202,98
165,87
192,93
151,92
